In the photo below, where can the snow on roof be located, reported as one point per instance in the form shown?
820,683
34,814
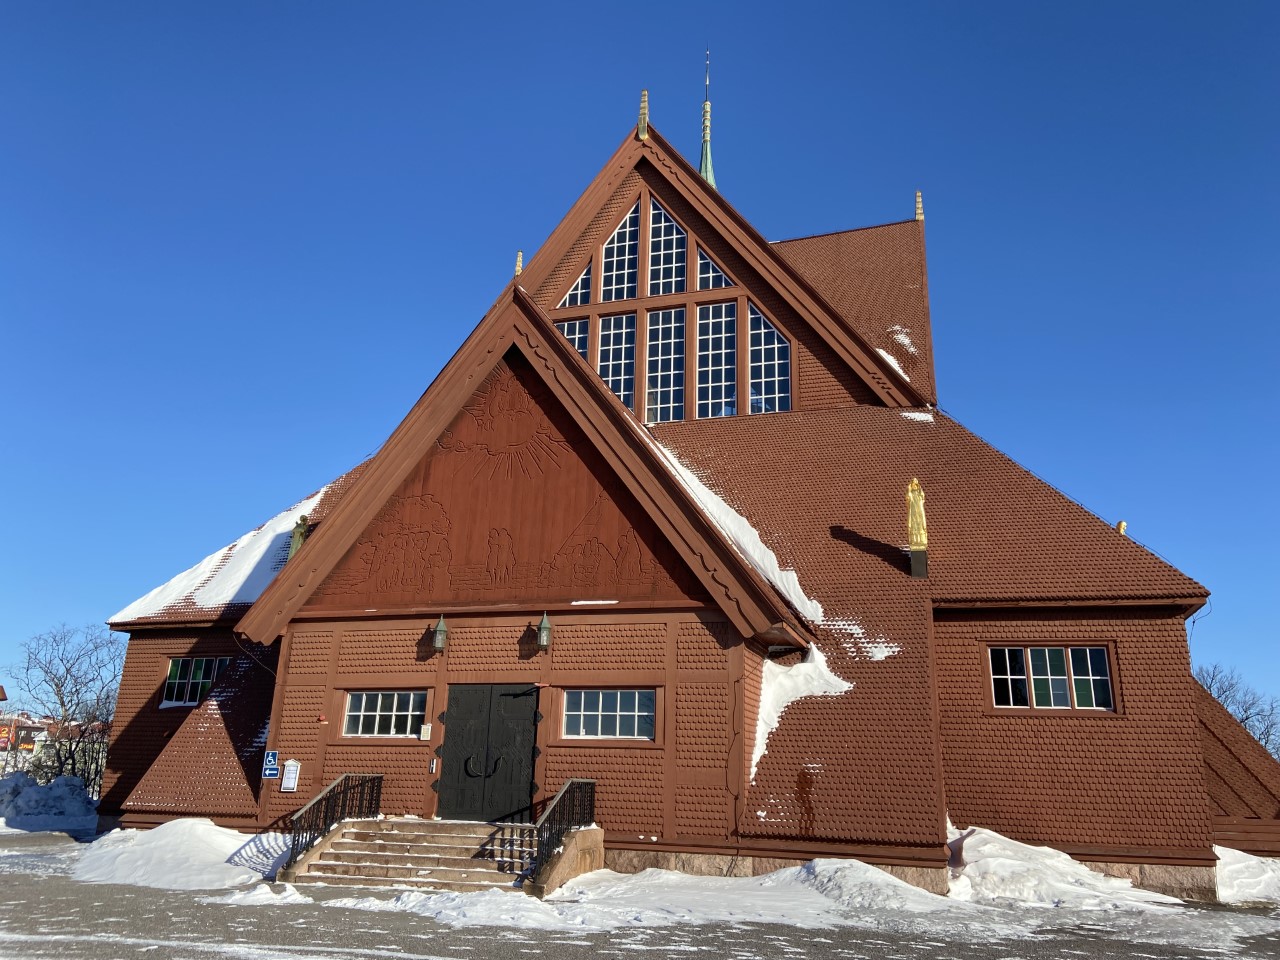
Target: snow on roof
236,574
781,686
890,359
745,538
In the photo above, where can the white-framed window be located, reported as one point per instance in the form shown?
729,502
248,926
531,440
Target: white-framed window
622,259
580,293
613,714
680,279
617,364
717,359
1054,678
770,364
190,678
384,713
668,246
710,276
578,333
664,377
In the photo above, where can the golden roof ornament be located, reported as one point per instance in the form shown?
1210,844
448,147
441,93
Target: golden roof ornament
642,128
298,535
519,262
1121,527
917,533
919,206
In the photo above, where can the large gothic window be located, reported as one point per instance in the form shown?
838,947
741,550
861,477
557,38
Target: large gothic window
680,328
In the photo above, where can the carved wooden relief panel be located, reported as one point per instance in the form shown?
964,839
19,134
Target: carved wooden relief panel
512,503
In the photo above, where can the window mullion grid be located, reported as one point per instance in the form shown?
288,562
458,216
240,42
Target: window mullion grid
742,398
642,315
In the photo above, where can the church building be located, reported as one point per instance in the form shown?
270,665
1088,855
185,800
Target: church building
682,517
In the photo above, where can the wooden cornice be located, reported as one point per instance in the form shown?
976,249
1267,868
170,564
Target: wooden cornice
516,322
848,344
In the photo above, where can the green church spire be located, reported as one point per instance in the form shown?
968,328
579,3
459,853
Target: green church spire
705,168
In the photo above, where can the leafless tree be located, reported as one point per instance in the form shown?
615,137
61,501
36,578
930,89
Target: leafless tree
71,677
1258,712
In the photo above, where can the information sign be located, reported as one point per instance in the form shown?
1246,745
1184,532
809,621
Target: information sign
289,782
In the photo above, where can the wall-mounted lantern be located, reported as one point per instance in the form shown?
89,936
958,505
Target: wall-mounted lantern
544,633
440,636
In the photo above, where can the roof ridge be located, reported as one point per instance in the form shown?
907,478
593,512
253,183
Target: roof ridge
836,233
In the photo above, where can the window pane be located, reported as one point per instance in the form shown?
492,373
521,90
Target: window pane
622,259
626,726
591,701
617,360
171,691
627,701
572,725
1001,688
400,725
999,662
578,333
1018,692
717,360
770,363
415,726
384,724
419,703
645,701
1080,661
644,726
710,276
609,701
402,702
1102,693
352,726
184,669
573,700
591,725
174,667
353,702
580,292
386,702
1058,686
1098,661
609,725
1084,692
369,724
1039,662
1041,687
1017,662
1057,661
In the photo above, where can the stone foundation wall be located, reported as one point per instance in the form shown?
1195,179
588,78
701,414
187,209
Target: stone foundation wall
1185,883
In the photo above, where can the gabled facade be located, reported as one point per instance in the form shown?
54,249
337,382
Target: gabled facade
685,450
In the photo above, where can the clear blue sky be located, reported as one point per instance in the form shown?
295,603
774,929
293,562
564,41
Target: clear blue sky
202,204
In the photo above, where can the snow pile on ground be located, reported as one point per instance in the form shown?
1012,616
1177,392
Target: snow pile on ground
62,805
1243,878
989,868
187,854
261,895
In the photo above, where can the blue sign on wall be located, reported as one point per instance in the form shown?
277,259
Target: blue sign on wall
270,773
271,765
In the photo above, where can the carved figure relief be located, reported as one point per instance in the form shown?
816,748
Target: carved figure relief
502,505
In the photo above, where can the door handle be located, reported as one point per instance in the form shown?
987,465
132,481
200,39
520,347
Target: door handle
467,767
496,764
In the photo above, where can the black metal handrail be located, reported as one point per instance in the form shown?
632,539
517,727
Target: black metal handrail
574,806
353,796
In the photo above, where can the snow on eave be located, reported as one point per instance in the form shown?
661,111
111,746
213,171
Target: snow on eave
236,574
890,359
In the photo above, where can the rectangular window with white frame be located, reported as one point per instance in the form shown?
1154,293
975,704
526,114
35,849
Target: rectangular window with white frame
190,678
1051,678
610,714
385,713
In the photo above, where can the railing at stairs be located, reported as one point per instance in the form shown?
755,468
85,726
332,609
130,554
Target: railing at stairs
574,806
353,796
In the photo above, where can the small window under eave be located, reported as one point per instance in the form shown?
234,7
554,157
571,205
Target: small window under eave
580,293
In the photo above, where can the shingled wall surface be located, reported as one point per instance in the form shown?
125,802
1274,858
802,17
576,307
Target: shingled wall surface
1076,779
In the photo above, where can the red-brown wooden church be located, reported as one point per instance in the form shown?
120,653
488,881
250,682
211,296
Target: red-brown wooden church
686,451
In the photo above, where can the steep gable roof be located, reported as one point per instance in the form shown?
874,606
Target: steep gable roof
597,212
876,278
226,583
515,323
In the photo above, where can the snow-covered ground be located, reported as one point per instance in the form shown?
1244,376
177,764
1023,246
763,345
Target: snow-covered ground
1001,889
62,805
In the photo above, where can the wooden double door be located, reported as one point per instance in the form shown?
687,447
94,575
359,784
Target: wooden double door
489,746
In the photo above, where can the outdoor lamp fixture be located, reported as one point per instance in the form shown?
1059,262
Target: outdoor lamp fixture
440,635
544,633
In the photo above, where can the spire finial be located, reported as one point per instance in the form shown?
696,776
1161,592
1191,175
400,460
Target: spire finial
519,262
705,169
642,128
919,206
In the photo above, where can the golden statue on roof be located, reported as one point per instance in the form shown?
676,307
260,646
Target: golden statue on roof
917,532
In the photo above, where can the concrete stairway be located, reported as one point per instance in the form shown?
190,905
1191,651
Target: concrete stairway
423,854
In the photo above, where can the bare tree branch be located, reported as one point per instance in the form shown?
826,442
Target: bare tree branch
1259,713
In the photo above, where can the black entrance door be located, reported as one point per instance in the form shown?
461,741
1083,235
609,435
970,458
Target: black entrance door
487,761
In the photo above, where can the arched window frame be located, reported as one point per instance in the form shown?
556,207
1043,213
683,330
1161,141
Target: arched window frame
690,299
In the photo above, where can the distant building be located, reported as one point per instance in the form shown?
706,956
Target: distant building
690,449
